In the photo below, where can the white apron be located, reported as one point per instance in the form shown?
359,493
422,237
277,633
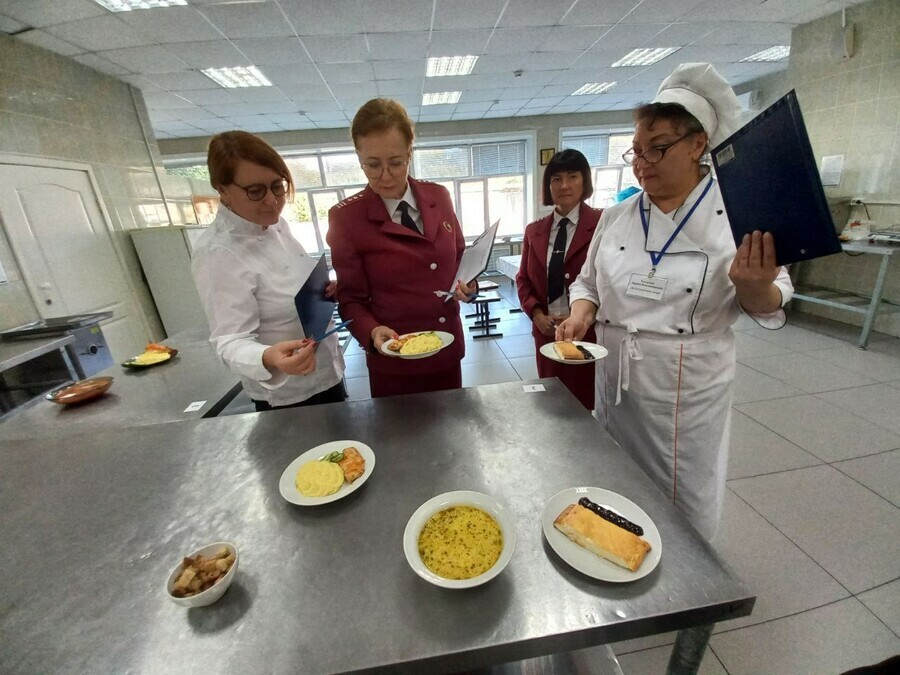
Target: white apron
664,392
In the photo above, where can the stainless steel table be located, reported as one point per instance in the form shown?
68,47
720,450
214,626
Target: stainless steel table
92,525
139,396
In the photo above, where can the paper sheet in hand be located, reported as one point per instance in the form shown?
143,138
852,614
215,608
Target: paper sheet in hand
313,308
770,182
475,258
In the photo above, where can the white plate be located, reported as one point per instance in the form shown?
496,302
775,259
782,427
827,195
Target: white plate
288,487
597,351
589,563
456,498
446,340
214,592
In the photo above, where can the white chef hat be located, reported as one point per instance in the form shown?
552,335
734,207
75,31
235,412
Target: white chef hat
706,95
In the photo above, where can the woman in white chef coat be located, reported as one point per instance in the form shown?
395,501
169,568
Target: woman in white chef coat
248,268
662,285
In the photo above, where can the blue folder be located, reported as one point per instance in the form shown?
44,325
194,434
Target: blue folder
313,308
770,182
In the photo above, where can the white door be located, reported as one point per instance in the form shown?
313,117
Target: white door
61,241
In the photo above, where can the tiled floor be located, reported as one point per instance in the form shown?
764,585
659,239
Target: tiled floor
812,517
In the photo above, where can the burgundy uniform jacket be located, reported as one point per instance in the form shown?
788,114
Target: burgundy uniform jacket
387,274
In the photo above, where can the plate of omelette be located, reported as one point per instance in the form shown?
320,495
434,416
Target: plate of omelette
418,345
326,473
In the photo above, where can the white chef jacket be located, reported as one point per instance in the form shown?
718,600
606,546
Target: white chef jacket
247,277
664,391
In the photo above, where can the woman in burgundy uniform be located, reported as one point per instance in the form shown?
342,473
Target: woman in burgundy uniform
553,252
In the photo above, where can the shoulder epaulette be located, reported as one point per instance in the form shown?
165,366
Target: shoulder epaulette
348,200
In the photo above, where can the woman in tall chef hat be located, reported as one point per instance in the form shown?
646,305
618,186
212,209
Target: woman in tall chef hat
663,284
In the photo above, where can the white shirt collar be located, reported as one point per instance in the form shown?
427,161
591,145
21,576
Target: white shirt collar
240,225
408,197
571,215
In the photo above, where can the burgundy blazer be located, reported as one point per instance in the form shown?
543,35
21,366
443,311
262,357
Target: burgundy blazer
531,281
387,274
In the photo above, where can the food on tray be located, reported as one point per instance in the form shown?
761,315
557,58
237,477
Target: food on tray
319,478
199,573
601,537
396,345
568,351
422,343
326,475
154,347
352,464
153,353
460,542
612,517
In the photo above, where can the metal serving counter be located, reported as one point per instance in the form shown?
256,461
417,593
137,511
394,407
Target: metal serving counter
94,523
138,397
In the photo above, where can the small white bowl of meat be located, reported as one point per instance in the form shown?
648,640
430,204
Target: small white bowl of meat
203,577
459,539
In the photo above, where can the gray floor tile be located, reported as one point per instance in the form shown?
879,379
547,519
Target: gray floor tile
353,348
491,372
481,351
358,389
525,367
827,431
847,529
355,366
640,644
654,662
784,579
884,602
879,404
796,338
747,346
806,373
751,385
757,450
879,473
517,346
879,367
829,640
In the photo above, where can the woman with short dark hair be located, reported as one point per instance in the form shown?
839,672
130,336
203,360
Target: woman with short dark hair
553,251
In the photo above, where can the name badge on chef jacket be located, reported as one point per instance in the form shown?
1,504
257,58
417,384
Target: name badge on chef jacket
645,286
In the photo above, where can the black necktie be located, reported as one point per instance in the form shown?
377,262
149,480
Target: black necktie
405,219
556,279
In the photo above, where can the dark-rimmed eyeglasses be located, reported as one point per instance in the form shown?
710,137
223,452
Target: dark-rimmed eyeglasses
257,191
651,155
374,168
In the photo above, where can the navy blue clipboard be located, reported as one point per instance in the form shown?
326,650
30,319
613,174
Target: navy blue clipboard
769,181
313,308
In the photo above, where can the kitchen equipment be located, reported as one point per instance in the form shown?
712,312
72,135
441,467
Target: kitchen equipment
88,352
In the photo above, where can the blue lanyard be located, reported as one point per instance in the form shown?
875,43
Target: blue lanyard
655,257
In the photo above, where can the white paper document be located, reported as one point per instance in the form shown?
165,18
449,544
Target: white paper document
475,258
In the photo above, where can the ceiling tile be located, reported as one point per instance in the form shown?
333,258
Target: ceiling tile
391,88
141,83
316,105
385,16
681,34
520,92
440,109
214,54
337,48
656,11
101,64
40,38
347,72
288,120
516,40
572,38
509,104
398,70
608,12
458,42
294,74
626,37
248,20
145,59
467,13
102,32
366,89
496,113
272,51
253,123
408,45
334,17
164,101
469,115
183,80
326,116
521,13
173,24
745,33
41,13
481,106
211,97
262,95
544,102
189,115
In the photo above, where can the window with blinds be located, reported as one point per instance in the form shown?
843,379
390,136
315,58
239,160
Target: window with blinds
603,149
497,159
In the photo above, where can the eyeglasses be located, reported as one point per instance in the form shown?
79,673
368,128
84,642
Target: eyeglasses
395,167
651,155
257,191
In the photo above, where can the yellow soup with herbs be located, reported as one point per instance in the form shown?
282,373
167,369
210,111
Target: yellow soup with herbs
460,542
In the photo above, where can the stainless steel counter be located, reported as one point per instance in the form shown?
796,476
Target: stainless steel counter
94,523
15,353
138,396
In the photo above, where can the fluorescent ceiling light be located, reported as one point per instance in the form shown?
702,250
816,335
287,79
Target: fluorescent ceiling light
593,88
645,57
770,54
440,66
239,76
436,98
128,5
